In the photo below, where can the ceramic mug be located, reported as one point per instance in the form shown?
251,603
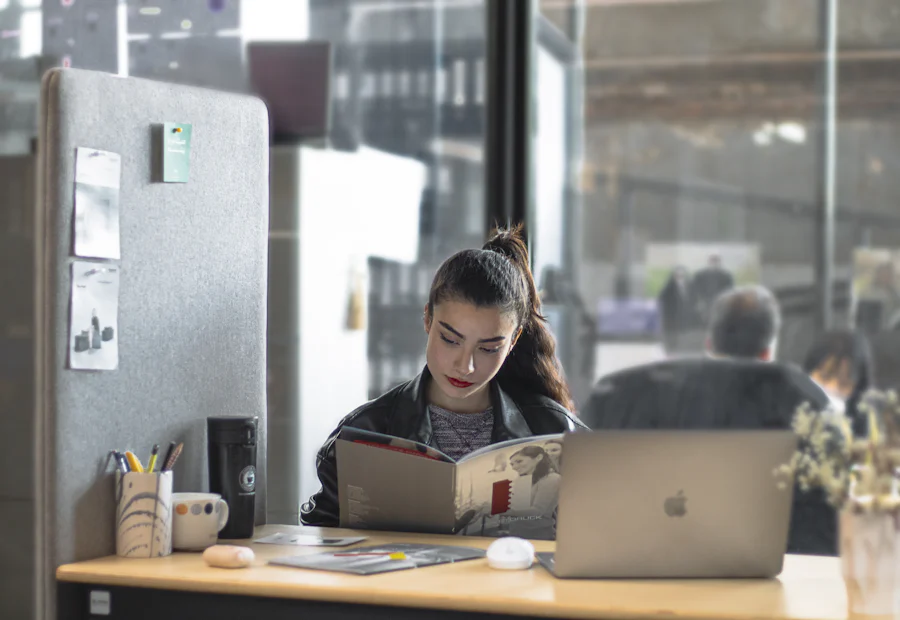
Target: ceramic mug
197,519
144,514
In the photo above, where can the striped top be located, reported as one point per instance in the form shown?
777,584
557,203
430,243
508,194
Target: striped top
458,434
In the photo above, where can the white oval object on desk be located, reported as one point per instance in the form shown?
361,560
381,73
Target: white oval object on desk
228,556
144,515
197,520
510,553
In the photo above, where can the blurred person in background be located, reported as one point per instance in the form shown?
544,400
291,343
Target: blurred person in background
708,284
841,363
744,324
677,308
884,291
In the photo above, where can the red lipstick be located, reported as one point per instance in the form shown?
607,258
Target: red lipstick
457,383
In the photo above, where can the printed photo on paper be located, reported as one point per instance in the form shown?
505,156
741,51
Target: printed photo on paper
93,325
510,489
97,181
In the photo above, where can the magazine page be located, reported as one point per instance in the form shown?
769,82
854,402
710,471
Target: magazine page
506,444
382,559
396,444
510,490
393,489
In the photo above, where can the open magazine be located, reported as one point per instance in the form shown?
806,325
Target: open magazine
381,558
508,488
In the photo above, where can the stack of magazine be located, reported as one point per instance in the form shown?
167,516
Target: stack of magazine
382,558
506,489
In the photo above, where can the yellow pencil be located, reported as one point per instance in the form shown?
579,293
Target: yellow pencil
153,454
133,462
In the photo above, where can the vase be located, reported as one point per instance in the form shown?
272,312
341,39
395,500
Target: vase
870,561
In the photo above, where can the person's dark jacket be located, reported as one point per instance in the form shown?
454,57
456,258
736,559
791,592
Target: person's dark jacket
708,284
701,393
403,412
677,307
705,393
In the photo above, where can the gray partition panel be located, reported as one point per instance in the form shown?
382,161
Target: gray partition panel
192,303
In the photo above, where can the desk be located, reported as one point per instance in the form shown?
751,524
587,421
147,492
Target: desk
182,586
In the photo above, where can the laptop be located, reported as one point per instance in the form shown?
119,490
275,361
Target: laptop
672,504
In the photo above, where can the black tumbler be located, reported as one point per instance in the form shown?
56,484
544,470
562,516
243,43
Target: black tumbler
231,444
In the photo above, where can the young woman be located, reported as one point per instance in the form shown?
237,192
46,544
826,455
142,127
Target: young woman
553,448
840,362
533,461
491,370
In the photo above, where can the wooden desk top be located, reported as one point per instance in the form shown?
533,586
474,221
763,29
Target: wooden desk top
808,588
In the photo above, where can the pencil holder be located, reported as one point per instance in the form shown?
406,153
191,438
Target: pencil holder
144,514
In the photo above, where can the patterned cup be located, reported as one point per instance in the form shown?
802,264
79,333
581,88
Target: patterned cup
144,515
198,519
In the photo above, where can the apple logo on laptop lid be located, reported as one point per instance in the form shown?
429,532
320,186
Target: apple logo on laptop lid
676,506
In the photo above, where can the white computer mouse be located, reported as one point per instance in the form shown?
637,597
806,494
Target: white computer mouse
510,553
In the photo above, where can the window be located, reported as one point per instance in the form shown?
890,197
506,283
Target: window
361,215
705,143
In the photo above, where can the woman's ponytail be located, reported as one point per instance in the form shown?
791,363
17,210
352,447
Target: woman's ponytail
532,364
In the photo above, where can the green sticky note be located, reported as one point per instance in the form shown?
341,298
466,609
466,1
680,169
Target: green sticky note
176,152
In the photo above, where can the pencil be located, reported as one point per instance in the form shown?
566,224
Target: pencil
396,555
170,462
168,456
153,454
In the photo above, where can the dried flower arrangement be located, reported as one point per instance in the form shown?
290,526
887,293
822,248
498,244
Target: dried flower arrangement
857,474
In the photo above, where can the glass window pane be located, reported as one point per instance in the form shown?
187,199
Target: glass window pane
694,145
867,231
362,213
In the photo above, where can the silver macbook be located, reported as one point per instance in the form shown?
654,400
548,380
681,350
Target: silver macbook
673,504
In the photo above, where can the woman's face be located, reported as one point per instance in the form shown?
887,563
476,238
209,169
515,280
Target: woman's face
553,450
523,464
834,376
467,345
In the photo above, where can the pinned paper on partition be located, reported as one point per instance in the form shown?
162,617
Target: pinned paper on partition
93,323
97,184
176,152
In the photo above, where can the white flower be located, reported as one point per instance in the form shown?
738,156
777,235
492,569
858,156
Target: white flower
802,423
817,442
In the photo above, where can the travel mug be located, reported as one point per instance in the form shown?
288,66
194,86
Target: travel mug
231,445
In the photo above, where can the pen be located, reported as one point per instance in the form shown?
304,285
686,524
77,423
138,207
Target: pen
170,462
397,555
153,454
121,463
168,456
134,462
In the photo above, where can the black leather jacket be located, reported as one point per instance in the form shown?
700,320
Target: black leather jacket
403,412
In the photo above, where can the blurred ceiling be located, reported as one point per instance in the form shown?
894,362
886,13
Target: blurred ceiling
748,60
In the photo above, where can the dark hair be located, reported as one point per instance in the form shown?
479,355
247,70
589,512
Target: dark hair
498,276
835,348
544,467
557,464
744,322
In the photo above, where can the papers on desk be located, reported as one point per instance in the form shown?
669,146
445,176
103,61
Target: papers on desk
381,558
305,540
